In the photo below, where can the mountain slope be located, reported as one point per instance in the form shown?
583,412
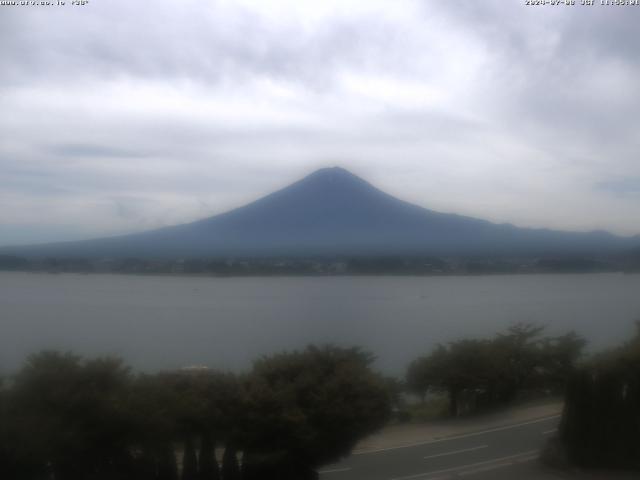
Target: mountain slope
334,212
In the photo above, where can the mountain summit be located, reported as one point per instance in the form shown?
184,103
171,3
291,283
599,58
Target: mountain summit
334,212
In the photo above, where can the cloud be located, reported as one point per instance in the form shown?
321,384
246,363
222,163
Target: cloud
621,187
120,117
89,150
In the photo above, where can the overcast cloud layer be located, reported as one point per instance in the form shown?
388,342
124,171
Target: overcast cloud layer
122,115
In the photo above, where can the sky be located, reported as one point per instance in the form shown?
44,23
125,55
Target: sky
121,116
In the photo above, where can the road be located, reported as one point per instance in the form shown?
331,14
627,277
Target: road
501,452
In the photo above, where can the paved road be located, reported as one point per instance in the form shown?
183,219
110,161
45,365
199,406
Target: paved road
504,452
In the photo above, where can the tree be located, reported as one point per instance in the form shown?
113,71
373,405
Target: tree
309,408
600,425
77,409
189,461
152,406
417,378
186,408
230,467
560,356
461,366
517,355
209,469
479,373
167,468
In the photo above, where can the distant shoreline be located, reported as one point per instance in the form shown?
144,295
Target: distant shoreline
315,266
320,275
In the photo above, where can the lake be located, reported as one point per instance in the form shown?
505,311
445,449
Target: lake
172,321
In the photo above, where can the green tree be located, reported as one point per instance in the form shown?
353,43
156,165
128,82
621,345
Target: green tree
230,467
517,356
208,465
459,367
152,407
478,373
560,355
418,379
309,408
78,410
600,425
187,408
189,461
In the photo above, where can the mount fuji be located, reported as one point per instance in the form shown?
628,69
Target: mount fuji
334,212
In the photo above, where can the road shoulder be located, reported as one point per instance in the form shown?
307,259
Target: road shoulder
406,435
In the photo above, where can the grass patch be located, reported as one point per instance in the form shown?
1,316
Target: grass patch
435,408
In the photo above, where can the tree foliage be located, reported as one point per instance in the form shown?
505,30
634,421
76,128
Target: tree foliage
58,406
309,408
477,373
63,417
600,426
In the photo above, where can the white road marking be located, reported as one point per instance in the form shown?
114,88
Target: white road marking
334,470
497,461
457,437
486,468
457,451
549,432
495,466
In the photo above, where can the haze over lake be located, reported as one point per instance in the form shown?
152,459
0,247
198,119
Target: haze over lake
168,322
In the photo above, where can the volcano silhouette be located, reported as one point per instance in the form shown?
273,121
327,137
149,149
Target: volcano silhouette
334,212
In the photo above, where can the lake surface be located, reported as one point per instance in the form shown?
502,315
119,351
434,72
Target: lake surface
168,322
